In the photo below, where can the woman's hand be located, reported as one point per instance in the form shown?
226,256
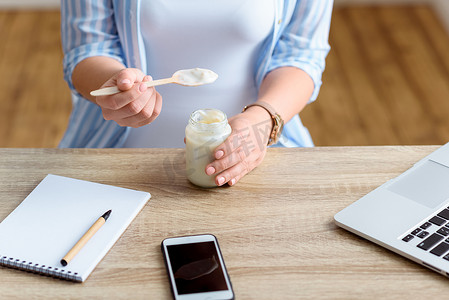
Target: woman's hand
137,105
244,149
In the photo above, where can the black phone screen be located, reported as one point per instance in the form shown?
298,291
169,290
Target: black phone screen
196,268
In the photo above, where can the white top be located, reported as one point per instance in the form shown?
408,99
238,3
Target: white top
223,36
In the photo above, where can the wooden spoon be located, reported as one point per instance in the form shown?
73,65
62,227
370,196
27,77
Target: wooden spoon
189,77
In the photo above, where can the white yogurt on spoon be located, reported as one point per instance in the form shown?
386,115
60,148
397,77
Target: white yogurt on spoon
194,77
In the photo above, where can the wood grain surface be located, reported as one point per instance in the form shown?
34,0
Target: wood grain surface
275,227
386,78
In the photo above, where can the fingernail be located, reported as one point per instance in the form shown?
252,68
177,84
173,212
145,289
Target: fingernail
232,181
142,87
125,81
210,170
219,154
221,180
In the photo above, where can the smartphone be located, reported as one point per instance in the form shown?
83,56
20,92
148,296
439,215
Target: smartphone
196,268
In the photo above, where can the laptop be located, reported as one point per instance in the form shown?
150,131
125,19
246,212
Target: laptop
408,214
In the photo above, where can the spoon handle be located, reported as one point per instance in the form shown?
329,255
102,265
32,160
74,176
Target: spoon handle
114,90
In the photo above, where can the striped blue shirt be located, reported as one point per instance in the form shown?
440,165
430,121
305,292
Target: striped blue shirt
111,28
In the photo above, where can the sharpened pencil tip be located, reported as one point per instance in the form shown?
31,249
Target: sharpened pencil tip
105,216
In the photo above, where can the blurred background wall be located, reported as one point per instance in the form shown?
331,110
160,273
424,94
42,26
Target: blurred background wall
386,80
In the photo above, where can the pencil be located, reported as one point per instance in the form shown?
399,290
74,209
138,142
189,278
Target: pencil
85,238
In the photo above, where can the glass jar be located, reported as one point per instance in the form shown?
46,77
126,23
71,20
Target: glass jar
207,128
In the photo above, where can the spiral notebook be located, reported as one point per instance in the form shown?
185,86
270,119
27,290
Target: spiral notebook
54,216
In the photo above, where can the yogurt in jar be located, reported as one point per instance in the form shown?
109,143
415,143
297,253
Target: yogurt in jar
207,128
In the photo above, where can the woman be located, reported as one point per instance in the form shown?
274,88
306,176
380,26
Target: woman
270,53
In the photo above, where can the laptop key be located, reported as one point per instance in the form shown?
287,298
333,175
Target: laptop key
437,221
416,231
443,231
407,238
430,241
444,214
422,234
446,257
426,225
440,249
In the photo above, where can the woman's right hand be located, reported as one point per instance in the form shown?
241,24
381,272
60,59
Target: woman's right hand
137,105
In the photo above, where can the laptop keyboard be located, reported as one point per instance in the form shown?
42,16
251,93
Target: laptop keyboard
433,235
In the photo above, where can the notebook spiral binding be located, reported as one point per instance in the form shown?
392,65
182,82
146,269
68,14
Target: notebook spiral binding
39,269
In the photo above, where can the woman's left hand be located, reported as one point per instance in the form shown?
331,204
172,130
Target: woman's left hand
244,149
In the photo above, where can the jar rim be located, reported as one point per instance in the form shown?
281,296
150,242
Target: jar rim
200,115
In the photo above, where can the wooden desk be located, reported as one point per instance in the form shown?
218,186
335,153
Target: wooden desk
275,227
